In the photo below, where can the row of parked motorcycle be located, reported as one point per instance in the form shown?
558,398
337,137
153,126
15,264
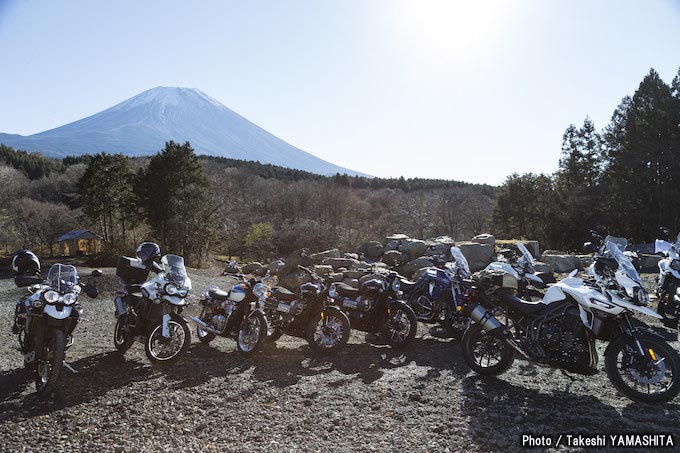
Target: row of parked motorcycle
503,310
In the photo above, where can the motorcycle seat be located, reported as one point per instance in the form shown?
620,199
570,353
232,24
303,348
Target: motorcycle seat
345,290
218,294
281,293
524,306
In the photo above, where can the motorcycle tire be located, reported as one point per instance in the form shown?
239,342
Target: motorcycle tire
155,338
122,339
48,368
258,332
662,358
667,308
402,311
330,334
505,353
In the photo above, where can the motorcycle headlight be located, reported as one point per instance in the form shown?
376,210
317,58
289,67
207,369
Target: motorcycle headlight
260,290
675,265
51,296
171,289
396,284
69,298
182,292
641,297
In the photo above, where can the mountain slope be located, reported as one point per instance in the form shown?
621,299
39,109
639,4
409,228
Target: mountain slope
142,124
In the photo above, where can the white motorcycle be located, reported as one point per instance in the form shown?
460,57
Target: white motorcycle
668,288
47,317
150,312
561,330
522,269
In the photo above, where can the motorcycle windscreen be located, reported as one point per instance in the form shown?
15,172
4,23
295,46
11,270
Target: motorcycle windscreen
175,272
62,277
624,263
461,262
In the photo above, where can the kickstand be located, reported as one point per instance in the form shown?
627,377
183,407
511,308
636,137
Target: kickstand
70,368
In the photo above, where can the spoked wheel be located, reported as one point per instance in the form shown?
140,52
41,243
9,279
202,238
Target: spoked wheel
122,337
328,331
455,324
652,378
253,330
48,367
400,326
161,350
484,353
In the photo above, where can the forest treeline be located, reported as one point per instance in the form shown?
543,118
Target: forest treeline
624,179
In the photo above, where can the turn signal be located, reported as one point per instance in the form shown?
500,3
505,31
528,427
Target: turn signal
651,353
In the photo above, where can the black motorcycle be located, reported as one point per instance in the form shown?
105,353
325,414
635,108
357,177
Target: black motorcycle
374,307
306,314
45,320
233,314
437,297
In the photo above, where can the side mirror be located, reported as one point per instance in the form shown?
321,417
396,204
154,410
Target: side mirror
589,247
96,273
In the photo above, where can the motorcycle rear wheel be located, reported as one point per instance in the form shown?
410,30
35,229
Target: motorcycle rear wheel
477,344
48,368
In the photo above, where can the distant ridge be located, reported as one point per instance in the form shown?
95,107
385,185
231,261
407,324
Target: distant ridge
142,124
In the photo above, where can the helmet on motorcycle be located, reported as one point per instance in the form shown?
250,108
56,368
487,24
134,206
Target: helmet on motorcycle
148,252
24,262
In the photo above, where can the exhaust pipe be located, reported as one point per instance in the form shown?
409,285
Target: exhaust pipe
204,326
488,321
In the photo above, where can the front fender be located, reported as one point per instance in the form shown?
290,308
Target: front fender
52,312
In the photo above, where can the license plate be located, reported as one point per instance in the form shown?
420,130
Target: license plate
283,307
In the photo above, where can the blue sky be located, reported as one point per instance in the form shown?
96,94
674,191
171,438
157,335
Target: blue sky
459,90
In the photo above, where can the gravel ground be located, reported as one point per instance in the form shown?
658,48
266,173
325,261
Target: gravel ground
366,398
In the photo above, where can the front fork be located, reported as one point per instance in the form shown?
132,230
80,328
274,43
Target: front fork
633,332
165,311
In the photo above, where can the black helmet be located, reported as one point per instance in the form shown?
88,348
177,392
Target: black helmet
24,262
148,252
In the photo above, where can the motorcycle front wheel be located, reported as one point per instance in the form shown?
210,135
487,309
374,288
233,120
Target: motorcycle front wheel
400,326
484,353
161,350
48,368
329,332
668,308
652,378
122,338
253,330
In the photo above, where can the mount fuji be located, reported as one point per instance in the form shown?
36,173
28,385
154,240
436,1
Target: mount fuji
142,124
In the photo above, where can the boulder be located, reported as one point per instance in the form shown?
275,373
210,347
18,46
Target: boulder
293,280
323,269
353,282
232,268
412,266
353,274
295,259
533,248
650,263
336,276
542,267
446,240
337,263
562,263
276,267
317,258
367,277
439,249
413,248
394,258
392,245
396,237
485,239
252,268
371,249
353,256
586,260
477,255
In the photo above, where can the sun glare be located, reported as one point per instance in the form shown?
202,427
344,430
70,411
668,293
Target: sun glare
454,28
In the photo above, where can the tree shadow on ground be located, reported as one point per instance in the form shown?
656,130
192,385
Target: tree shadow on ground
500,412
